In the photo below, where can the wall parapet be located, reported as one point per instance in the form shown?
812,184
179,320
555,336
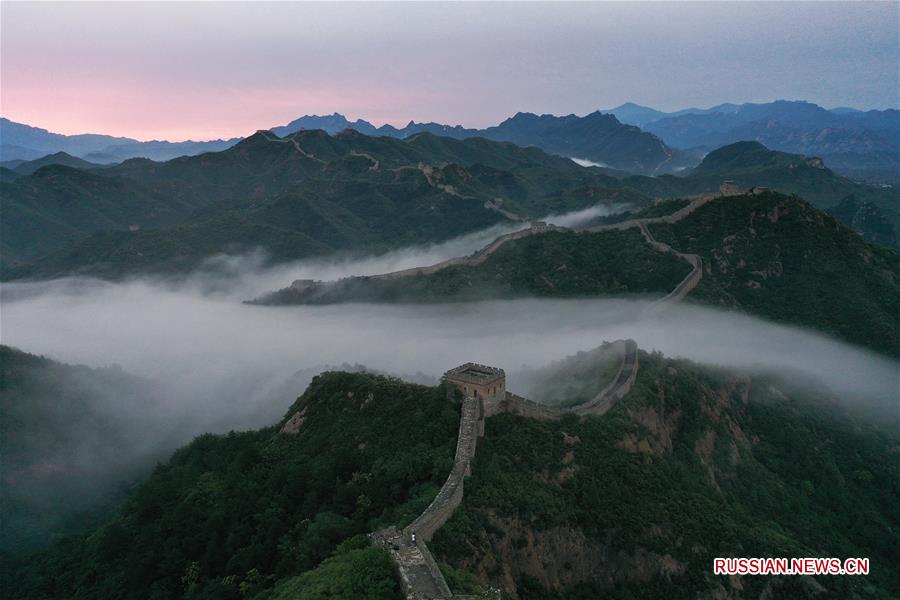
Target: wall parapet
420,577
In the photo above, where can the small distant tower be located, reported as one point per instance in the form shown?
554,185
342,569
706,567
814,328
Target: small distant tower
729,188
479,381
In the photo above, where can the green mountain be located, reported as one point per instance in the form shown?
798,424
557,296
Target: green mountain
59,205
306,195
868,219
863,144
692,464
552,265
230,515
750,164
778,257
596,137
768,254
313,194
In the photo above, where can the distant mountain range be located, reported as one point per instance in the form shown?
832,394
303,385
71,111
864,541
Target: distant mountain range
632,138
860,144
596,138
311,193
306,194
23,142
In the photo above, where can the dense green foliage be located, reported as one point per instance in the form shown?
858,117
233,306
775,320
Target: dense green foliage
778,257
691,465
750,164
554,264
357,571
230,515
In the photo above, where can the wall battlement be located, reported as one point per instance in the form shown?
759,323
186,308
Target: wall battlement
420,576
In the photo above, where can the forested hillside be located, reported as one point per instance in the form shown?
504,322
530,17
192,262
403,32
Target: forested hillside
768,254
693,464
556,264
228,516
313,194
306,195
779,257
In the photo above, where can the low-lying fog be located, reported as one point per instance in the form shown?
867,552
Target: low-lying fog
225,364
214,363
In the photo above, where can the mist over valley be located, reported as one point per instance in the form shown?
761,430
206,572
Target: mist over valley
581,300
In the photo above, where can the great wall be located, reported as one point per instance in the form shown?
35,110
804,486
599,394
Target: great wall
420,576
681,290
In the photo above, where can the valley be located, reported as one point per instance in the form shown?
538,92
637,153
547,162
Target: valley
383,301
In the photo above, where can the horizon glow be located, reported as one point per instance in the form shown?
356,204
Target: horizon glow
207,70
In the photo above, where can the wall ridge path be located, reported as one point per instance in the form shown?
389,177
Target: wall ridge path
420,576
681,290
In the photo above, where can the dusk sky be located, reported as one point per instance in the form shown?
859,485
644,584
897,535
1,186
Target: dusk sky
209,70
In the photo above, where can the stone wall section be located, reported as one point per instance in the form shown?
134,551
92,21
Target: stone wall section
420,577
451,494
475,259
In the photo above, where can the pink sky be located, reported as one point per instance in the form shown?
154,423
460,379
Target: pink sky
209,70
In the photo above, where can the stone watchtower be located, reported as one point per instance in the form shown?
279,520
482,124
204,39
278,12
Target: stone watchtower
479,381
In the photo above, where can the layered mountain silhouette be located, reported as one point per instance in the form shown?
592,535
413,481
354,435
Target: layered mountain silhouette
630,137
597,137
863,144
307,194
24,142
312,193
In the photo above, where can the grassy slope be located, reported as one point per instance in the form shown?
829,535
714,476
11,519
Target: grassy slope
246,509
778,257
693,464
548,265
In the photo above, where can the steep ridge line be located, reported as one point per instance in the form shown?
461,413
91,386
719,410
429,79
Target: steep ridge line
681,290
691,280
475,259
290,140
420,576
